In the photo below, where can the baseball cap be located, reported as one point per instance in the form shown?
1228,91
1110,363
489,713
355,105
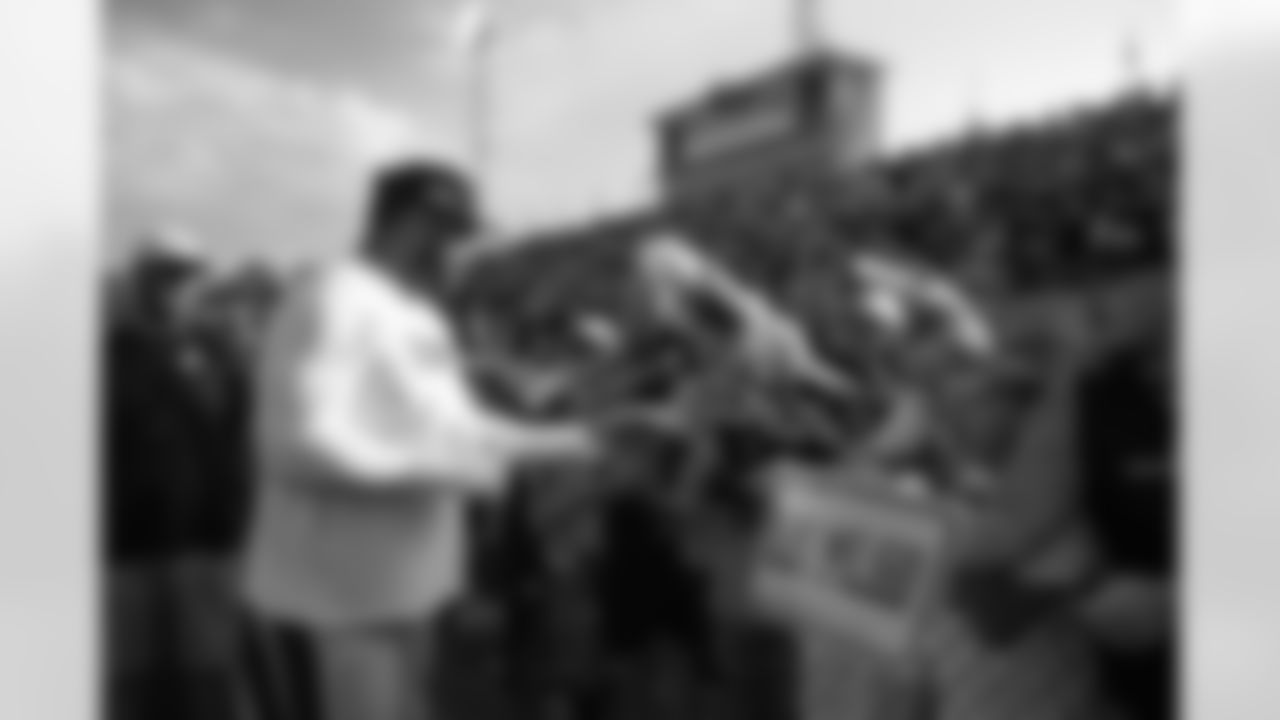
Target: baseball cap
440,191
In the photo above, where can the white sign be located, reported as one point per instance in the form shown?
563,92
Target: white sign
855,561
723,135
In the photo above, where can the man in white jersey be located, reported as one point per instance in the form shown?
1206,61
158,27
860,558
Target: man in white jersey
370,440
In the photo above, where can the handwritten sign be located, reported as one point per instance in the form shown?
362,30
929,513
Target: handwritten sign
853,560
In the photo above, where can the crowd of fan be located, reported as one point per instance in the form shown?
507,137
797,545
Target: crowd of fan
1069,206
1079,199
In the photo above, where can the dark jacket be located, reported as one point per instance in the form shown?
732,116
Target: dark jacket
150,446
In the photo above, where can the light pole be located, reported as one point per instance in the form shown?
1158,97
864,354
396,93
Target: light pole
806,25
477,33
478,30
977,90
1134,62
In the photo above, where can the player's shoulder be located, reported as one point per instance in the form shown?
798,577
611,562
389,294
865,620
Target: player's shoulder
354,289
315,296
333,277
329,286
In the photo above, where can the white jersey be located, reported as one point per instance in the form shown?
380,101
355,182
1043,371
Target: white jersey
369,441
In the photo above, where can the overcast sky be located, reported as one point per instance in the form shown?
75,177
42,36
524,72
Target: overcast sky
253,123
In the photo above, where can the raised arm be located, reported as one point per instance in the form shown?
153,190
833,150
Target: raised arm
423,362
768,337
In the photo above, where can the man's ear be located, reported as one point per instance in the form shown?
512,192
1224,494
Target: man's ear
464,257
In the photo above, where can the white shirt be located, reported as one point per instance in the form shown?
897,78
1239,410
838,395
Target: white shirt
369,440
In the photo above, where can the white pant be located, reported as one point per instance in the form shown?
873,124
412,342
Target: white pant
360,673
374,674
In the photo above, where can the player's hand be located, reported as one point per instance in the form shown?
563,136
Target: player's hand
572,443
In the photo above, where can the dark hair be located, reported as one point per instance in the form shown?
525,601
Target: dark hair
435,190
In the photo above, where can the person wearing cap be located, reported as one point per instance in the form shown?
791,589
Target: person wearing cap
155,474
370,441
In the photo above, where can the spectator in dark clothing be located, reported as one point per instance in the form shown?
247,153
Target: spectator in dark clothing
155,469
1131,501
152,455
219,388
141,384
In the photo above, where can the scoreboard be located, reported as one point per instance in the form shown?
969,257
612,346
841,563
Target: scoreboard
809,118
